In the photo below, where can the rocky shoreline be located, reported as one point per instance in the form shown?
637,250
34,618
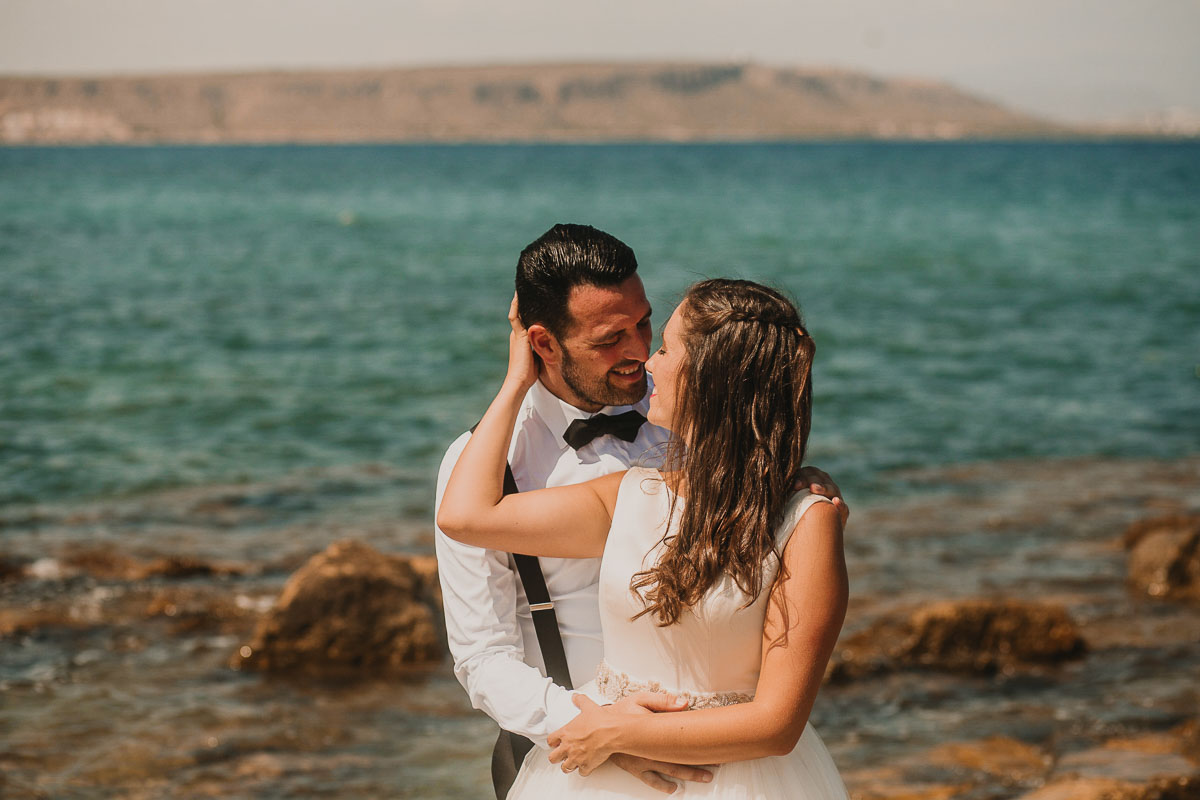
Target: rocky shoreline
1034,633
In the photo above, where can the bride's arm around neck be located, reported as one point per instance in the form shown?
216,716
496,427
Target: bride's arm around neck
564,522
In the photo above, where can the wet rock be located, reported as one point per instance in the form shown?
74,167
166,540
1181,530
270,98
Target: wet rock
111,565
202,609
890,783
11,569
895,783
16,622
101,563
1188,735
1081,789
998,756
1168,522
1164,557
1184,787
258,767
979,636
1133,766
350,610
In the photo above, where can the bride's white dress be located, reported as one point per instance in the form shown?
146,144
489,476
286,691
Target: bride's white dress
711,656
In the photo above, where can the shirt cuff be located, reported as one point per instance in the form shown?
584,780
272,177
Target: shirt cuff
560,711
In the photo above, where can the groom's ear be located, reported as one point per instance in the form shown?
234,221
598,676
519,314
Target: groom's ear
545,345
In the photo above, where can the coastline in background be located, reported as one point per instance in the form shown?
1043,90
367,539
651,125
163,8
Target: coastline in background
530,103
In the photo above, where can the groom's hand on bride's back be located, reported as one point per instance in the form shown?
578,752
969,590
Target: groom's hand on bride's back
818,482
655,773
650,772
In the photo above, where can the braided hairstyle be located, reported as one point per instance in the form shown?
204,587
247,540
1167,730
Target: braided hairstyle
742,418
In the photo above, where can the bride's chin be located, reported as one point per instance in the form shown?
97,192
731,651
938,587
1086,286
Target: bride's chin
655,418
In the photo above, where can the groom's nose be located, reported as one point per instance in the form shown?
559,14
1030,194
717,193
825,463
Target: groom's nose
637,348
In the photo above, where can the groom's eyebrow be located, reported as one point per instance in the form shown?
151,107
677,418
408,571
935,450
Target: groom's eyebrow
603,337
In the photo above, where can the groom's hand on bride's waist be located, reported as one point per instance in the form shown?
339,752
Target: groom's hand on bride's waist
648,703
653,773
650,772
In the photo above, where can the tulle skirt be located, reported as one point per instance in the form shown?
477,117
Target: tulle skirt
806,773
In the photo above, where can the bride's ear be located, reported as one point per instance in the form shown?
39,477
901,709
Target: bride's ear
545,345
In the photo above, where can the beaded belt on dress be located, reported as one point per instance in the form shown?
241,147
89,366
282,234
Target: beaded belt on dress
615,685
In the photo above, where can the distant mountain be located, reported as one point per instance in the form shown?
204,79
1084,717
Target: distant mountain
544,102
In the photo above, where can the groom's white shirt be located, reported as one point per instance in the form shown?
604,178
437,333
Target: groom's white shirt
488,623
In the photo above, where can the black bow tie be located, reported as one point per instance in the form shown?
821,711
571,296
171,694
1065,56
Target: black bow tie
623,426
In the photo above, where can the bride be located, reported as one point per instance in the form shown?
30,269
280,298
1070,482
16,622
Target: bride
718,584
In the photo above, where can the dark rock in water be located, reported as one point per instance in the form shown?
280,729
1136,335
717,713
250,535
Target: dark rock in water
979,636
11,569
194,609
111,565
1001,756
351,610
1185,787
1164,557
1189,737
1169,522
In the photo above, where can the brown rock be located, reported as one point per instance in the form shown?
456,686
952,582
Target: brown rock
1164,557
18,622
1081,789
1189,738
891,783
911,791
1155,743
1115,763
259,766
11,569
194,609
1186,787
102,563
350,610
108,564
963,636
998,755
1170,522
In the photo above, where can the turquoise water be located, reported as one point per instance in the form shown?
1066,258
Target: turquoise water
294,333
187,316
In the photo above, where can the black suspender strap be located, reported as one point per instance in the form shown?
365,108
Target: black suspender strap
545,621
541,607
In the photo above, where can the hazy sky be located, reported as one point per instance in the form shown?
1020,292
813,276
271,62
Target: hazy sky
1072,59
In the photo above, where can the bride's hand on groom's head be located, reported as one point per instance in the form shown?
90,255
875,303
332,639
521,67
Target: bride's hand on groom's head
818,482
522,363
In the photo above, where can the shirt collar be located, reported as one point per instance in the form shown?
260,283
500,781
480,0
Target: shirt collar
558,414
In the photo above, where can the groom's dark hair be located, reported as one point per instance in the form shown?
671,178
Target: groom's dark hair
560,259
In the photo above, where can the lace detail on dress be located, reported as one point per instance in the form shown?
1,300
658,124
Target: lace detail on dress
616,685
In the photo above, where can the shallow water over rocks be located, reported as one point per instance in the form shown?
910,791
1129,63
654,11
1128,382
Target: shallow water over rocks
118,621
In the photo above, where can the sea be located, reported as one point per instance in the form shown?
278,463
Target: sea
308,327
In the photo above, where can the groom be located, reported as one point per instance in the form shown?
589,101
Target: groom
588,319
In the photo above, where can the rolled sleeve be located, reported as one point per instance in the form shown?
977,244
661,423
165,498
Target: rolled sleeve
479,596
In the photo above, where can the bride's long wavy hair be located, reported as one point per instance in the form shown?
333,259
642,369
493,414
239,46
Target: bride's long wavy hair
743,409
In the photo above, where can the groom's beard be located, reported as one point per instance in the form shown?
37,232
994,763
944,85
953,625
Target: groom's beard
599,391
